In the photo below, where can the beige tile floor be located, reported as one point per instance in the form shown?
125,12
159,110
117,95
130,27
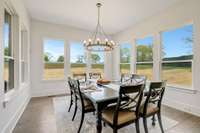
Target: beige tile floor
39,117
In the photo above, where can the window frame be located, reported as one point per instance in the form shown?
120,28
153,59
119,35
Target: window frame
145,62
91,63
24,56
85,54
43,62
177,61
11,57
120,63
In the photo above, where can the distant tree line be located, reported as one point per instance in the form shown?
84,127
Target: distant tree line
80,58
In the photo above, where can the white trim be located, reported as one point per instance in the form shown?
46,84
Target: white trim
184,88
15,118
147,62
85,54
49,92
131,56
195,110
43,62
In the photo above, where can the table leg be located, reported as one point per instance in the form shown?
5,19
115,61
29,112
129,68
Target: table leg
98,121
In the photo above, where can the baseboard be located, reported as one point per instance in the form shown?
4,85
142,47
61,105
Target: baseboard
13,121
49,92
182,107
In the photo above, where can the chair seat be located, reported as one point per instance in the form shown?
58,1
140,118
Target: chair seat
88,105
151,109
124,116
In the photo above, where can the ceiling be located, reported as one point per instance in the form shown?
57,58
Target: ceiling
116,15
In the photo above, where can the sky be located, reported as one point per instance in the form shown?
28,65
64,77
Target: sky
76,49
6,34
174,41
54,47
145,41
173,44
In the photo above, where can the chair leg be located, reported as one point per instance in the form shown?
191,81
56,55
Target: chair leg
75,109
145,124
71,102
160,122
114,130
137,125
153,120
81,123
104,124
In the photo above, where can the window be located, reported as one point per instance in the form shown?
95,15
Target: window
53,57
77,58
24,55
144,64
177,56
125,56
97,59
8,53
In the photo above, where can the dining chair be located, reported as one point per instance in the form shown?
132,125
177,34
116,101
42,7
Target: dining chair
152,104
125,112
95,75
82,77
72,96
85,105
137,79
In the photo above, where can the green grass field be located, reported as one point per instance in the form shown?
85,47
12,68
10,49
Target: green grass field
174,75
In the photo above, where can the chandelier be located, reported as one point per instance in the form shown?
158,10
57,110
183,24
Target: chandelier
99,41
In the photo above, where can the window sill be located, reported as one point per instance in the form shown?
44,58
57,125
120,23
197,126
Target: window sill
9,96
53,80
182,89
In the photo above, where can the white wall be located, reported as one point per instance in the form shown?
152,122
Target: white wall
40,31
184,12
18,99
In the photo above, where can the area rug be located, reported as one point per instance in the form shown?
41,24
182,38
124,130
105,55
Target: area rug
65,124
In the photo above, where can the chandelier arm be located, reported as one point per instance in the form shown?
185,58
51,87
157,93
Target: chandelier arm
104,33
95,33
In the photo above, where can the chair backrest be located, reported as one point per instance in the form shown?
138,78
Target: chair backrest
133,78
155,94
134,94
95,75
70,85
80,76
77,91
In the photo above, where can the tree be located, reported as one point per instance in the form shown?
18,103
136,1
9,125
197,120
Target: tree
47,57
144,53
80,59
60,58
95,58
125,55
6,51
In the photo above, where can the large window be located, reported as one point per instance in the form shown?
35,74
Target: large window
145,57
77,58
97,59
8,53
125,56
177,56
53,56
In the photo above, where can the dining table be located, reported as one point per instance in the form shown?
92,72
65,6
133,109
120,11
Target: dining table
103,95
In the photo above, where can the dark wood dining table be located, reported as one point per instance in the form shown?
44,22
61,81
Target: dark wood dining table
104,95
